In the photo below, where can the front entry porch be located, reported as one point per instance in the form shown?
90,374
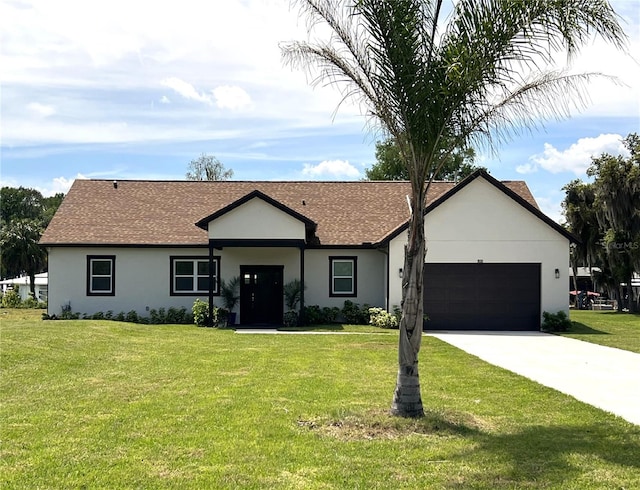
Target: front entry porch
261,293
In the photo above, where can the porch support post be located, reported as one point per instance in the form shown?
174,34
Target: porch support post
210,319
300,317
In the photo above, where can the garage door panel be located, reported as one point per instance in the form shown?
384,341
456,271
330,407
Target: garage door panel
482,296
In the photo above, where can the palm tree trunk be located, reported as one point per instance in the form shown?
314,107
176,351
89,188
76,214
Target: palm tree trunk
620,298
407,400
631,304
32,283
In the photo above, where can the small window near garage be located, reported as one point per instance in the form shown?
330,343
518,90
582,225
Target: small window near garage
342,271
101,275
190,276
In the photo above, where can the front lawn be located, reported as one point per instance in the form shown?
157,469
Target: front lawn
610,328
99,404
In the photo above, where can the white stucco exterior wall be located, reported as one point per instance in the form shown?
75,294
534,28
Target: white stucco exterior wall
143,276
482,223
370,276
256,219
142,280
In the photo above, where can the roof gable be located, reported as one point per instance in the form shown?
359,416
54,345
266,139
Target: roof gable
520,197
255,194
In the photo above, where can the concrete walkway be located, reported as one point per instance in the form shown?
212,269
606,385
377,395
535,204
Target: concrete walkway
604,377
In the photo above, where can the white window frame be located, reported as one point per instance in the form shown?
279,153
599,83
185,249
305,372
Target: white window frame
353,260
174,260
92,259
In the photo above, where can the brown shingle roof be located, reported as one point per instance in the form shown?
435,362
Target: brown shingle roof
166,212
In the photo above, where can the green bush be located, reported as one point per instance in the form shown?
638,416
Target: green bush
555,322
67,313
381,318
11,299
200,312
314,315
30,302
290,318
330,314
311,315
179,315
131,317
293,293
355,314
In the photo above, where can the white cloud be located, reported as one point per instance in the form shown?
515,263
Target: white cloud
165,100
58,185
576,158
186,90
552,207
41,110
527,168
331,168
228,97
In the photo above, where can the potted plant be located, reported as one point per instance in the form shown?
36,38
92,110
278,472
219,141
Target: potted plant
230,293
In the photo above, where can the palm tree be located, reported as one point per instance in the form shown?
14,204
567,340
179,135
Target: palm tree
473,76
20,249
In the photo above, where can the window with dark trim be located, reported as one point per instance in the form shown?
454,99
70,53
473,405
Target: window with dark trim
101,275
190,275
343,276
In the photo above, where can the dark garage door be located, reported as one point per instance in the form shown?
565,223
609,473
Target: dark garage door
482,296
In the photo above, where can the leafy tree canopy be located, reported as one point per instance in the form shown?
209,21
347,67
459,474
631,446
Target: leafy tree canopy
391,166
25,215
208,167
605,215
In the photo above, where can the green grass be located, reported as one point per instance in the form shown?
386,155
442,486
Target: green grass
610,328
90,404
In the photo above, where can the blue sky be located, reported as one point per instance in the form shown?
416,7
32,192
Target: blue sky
136,89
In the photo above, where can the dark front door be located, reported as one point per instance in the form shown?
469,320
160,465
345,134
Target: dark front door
482,296
261,296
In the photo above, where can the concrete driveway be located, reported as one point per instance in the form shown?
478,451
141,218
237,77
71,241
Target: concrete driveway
604,377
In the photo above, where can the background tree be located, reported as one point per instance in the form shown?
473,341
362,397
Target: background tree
21,252
20,203
424,76
617,208
390,165
208,167
580,213
25,214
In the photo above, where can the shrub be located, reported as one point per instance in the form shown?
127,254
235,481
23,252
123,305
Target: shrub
220,317
11,299
354,314
555,322
314,315
132,317
381,318
30,302
119,317
330,314
200,312
178,315
68,314
290,318
293,293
